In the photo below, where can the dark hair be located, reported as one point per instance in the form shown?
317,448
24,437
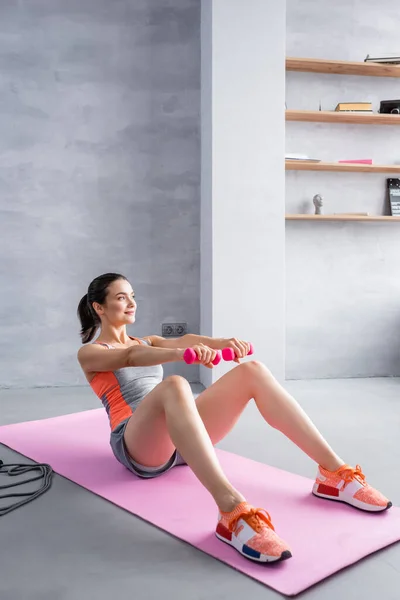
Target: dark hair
97,292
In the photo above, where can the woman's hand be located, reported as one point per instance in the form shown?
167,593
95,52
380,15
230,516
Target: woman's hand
240,348
205,355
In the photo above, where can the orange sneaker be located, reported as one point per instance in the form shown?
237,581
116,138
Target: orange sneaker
250,531
349,485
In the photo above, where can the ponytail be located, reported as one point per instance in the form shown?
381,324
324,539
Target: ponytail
90,322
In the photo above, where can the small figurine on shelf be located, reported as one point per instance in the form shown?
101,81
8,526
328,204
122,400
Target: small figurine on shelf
318,203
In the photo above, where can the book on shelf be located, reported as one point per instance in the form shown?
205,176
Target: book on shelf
388,59
300,157
358,161
354,107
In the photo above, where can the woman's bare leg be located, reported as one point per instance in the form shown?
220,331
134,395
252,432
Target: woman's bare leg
222,403
167,419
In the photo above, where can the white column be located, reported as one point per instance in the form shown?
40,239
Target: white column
243,177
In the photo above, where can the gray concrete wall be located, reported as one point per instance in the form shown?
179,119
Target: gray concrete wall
99,171
342,279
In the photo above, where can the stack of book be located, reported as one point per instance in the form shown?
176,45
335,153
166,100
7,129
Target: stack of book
363,107
388,59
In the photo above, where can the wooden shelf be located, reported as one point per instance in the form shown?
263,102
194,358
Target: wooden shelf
312,65
342,67
299,165
340,218
326,116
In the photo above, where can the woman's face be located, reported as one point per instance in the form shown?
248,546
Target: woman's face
120,305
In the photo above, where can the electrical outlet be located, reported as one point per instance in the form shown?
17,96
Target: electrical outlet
173,329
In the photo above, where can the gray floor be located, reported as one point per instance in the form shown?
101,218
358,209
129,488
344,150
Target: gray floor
73,545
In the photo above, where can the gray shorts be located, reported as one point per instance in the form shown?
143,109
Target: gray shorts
118,447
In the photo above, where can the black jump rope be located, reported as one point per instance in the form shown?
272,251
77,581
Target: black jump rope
13,470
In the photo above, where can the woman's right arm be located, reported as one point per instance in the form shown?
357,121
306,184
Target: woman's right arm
94,358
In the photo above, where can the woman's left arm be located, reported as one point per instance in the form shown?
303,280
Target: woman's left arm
187,341
240,347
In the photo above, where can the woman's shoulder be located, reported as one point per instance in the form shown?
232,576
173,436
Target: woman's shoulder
93,357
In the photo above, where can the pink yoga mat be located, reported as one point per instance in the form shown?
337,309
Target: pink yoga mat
325,536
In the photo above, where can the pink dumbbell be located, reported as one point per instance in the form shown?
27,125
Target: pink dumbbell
190,357
229,354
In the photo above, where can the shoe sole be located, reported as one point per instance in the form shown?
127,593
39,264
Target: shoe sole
353,502
262,558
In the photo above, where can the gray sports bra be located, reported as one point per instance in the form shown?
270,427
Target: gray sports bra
121,391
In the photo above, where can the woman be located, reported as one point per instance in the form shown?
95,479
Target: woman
156,424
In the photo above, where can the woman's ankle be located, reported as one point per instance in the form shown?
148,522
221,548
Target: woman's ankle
228,502
333,464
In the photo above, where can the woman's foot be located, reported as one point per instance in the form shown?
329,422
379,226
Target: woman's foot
251,532
349,485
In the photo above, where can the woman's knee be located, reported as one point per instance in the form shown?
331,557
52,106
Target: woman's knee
255,367
255,374
177,388
176,382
